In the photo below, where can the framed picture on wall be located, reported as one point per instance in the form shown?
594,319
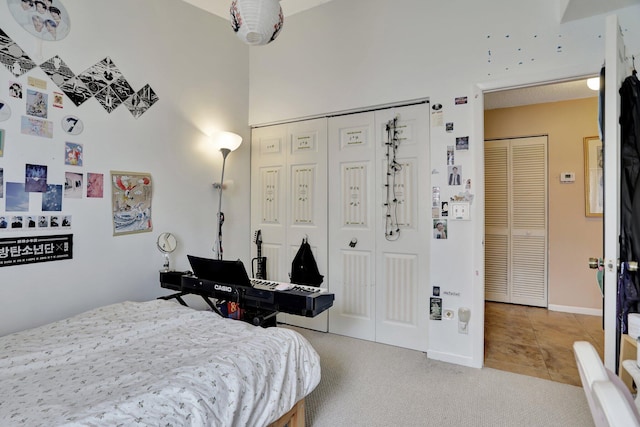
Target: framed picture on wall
593,177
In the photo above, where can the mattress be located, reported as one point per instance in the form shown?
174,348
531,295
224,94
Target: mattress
153,363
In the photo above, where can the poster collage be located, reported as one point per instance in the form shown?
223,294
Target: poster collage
37,104
456,184
455,175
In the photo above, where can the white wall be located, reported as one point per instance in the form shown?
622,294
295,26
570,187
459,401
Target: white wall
199,70
351,54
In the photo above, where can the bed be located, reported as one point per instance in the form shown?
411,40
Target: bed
154,363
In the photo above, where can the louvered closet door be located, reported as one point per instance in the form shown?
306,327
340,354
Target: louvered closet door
516,221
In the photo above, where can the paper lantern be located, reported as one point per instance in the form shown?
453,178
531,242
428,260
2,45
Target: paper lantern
256,22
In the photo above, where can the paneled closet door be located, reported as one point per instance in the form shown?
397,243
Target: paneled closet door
380,280
268,197
307,204
289,200
352,226
516,220
402,284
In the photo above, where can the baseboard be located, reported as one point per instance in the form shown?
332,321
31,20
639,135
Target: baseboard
451,358
575,310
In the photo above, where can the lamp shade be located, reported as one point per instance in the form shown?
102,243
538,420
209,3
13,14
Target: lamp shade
227,140
256,22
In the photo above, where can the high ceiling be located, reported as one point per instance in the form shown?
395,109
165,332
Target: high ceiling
289,7
573,9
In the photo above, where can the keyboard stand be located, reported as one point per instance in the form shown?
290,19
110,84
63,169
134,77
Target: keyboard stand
178,296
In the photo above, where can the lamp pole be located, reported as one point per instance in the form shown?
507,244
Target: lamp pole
218,243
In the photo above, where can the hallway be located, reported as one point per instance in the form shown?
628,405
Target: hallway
537,342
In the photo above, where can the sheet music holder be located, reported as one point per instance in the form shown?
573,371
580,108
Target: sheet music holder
220,271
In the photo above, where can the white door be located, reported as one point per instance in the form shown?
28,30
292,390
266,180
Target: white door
616,71
379,233
402,254
516,220
307,204
352,224
268,197
289,200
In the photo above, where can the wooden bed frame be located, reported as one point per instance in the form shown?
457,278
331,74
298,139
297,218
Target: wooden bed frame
293,418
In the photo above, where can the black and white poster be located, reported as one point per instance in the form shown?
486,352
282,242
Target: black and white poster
28,250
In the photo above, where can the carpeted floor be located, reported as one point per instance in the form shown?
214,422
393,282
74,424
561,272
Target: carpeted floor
370,384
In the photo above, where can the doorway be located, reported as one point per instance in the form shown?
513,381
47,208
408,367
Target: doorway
573,292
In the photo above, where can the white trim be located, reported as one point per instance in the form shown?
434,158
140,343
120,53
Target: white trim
575,310
346,112
479,89
453,358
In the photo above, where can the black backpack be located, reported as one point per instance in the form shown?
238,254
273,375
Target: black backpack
304,270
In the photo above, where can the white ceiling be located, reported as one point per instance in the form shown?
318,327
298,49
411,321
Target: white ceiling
552,92
289,7
578,9
574,9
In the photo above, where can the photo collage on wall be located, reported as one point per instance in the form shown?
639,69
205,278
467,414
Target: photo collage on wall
454,180
37,104
38,112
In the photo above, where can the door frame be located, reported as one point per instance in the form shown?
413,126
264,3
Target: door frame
479,89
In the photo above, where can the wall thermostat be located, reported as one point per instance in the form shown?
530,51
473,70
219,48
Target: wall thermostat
567,177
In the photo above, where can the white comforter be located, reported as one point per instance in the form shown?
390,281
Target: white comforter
155,363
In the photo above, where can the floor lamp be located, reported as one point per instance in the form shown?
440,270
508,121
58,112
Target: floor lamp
226,142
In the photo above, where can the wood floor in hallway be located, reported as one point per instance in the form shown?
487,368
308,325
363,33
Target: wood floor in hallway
537,342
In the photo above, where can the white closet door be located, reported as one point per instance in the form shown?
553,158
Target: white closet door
307,204
268,197
496,239
289,200
402,280
516,221
352,226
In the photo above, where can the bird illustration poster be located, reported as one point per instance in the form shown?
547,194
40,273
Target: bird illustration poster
131,202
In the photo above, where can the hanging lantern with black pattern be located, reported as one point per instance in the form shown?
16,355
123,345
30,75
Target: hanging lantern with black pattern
256,22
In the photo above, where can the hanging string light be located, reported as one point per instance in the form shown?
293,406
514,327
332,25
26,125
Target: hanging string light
256,22
391,227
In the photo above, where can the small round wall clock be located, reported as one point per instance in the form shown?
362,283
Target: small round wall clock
45,19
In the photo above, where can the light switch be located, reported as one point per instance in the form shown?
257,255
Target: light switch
459,210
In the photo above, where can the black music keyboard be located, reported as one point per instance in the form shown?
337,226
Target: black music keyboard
307,301
302,300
